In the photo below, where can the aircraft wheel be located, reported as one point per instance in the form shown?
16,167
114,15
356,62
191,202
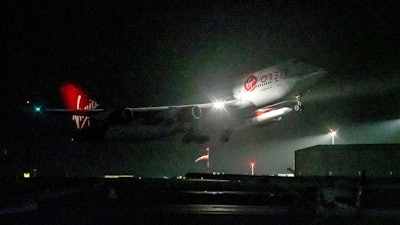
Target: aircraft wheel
225,136
224,139
187,138
298,108
202,139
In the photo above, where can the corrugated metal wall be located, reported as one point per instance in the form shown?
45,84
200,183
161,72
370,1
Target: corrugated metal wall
349,160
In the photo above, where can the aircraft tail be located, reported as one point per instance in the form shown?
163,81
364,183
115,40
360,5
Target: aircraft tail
79,104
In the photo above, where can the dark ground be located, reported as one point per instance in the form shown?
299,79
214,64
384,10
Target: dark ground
227,199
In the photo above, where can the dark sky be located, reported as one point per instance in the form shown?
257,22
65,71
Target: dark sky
143,53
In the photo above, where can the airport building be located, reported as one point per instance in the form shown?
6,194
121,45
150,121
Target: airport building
373,160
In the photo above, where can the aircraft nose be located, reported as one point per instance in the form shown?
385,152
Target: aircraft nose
307,71
315,74
322,71
318,72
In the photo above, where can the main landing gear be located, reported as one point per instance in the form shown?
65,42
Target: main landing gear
226,135
298,107
192,136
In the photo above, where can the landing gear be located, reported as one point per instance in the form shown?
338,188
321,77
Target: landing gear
191,136
298,107
225,136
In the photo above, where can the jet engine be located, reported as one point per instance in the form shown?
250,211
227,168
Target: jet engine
189,114
127,115
196,112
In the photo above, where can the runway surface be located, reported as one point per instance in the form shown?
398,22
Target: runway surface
223,200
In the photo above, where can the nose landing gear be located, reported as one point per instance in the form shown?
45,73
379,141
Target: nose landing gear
298,107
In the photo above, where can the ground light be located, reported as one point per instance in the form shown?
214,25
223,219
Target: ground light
333,134
252,168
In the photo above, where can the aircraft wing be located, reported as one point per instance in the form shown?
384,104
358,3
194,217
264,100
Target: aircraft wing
75,111
201,106
80,105
143,109
193,110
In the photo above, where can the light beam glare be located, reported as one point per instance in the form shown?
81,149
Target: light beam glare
361,88
219,105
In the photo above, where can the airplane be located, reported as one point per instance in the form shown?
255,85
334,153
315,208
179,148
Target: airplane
257,98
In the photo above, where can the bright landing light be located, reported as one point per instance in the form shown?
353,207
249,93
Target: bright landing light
218,105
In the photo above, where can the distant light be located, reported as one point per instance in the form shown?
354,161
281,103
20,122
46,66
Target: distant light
118,176
285,175
28,102
27,175
333,134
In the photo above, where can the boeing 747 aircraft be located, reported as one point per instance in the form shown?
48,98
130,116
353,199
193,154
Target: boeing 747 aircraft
260,97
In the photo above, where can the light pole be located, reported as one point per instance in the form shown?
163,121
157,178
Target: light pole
333,134
208,159
252,168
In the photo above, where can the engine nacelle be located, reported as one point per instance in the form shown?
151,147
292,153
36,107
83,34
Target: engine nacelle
271,115
197,112
188,114
127,115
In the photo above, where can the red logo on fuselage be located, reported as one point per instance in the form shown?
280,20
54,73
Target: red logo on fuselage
250,83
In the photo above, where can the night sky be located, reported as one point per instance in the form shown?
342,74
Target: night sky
149,53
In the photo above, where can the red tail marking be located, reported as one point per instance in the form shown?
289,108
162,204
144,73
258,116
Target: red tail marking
75,98
70,94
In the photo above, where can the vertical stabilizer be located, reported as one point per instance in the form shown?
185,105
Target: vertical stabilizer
75,99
